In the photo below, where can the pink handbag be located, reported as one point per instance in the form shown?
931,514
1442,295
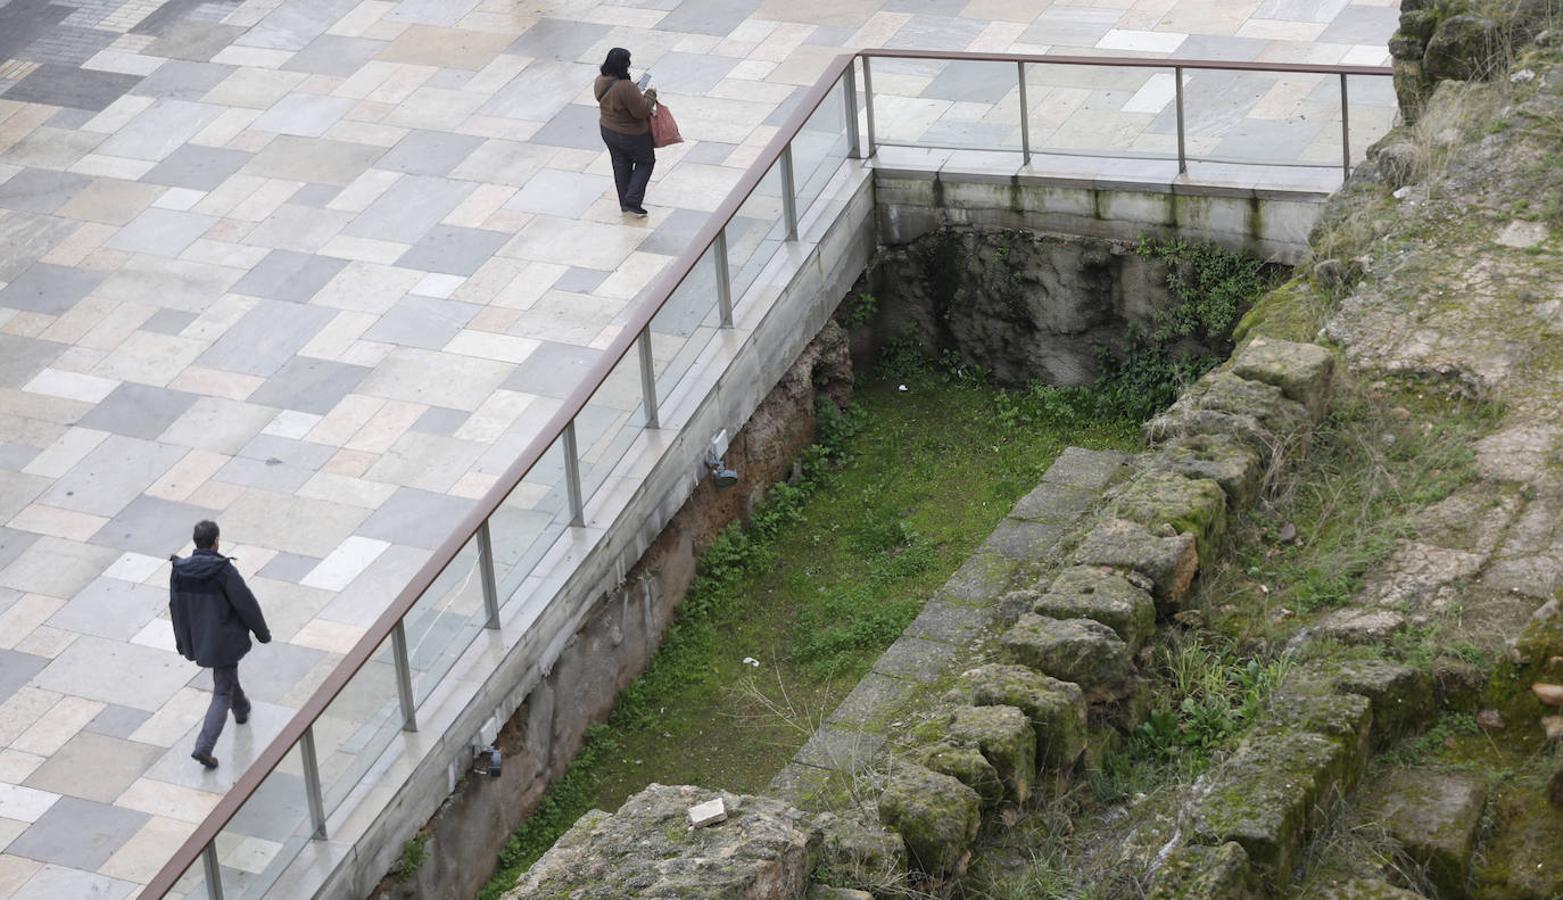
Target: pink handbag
664,129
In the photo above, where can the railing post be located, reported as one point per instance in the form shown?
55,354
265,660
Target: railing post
789,193
849,90
868,103
648,379
572,477
486,572
403,678
724,278
1183,160
317,803
214,874
1345,132
1025,116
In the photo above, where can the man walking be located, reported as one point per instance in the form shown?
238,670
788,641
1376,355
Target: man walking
214,613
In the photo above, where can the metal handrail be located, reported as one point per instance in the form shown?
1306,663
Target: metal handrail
200,846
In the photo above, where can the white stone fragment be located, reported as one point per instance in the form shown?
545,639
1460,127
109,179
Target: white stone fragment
707,813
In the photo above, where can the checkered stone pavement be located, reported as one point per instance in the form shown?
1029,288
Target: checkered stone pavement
320,268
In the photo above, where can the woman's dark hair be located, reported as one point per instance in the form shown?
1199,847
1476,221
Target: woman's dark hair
617,65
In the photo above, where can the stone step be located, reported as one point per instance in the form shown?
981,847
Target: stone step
1434,818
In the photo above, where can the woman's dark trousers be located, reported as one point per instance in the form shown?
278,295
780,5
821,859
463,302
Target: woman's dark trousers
633,159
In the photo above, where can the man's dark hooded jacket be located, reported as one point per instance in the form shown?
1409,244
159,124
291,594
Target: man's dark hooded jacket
213,610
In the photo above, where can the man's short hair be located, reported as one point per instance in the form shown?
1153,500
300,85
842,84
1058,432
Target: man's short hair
205,535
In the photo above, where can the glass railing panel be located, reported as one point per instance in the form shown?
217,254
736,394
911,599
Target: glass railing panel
610,422
445,620
685,323
192,884
1095,110
820,147
756,232
357,726
267,832
963,104
1373,106
529,520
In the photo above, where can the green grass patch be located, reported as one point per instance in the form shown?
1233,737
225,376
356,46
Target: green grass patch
895,495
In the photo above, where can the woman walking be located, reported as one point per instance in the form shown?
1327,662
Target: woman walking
625,129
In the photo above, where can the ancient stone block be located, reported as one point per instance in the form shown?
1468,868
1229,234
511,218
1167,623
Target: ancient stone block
1346,718
824,892
858,854
1402,697
1169,562
1222,403
1303,372
1079,650
1222,458
1521,857
1194,872
1102,594
1458,684
1006,739
765,849
1268,795
1434,817
966,763
1188,505
1056,709
936,815
1366,889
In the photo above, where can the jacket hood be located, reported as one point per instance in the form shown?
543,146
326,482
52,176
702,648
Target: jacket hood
199,566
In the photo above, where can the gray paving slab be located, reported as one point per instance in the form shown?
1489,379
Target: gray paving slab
574,125
48,289
117,721
717,17
110,608
414,517
161,232
112,475
266,338
567,194
289,275
183,80
553,369
332,54
24,237
412,206
94,767
15,457
453,251
218,424
138,410
53,882
429,153
22,358
110,201
558,39
191,40
40,190
422,322
168,321
152,525
16,669
320,161
161,129
1361,25
197,168
62,85
309,385
78,833
541,90
289,567
54,566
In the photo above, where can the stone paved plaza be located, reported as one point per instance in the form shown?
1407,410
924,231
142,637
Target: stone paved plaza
319,269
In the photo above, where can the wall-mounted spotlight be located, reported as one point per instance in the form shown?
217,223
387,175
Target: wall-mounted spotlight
721,475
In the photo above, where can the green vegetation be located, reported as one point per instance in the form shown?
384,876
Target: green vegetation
413,853
894,495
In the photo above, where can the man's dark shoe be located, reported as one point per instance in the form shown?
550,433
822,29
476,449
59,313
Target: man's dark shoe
206,760
241,718
636,211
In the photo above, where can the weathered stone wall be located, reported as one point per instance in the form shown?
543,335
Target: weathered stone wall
1026,306
620,635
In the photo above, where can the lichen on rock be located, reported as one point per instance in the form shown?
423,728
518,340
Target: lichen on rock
1056,709
1195,872
936,815
1083,651
1103,595
1169,561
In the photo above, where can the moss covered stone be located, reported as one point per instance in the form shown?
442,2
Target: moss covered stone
966,763
1524,856
1056,709
1222,403
1269,795
1194,506
1102,594
1303,372
1434,818
1085,652
1006,738
1224,459
936,815
1170,562
1195,872
1346,718
858,854
1463,48
1402,697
